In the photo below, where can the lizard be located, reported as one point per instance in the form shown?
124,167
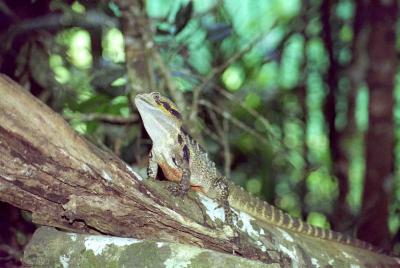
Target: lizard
184,161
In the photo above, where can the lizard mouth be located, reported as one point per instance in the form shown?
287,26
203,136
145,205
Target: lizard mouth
142,98
145,104
157,123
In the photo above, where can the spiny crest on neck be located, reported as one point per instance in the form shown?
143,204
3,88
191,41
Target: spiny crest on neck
194,145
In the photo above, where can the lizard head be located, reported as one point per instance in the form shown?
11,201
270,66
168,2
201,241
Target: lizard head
160,116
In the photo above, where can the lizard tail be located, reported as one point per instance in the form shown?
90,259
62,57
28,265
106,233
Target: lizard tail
244,201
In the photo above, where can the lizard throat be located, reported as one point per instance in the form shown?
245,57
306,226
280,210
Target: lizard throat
158,125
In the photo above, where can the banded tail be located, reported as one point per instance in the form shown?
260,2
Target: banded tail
243,200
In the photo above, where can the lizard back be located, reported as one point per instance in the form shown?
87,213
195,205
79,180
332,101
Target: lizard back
240,199
184,161
263,211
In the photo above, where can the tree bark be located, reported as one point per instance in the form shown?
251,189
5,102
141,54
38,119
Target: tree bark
144,63
381,24
52,248
137,45
66,182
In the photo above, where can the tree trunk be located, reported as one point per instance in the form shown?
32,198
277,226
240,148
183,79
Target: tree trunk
380,23
338,154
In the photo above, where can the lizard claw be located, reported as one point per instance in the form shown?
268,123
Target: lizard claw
177,190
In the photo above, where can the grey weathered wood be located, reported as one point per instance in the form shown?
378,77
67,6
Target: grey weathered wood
51,248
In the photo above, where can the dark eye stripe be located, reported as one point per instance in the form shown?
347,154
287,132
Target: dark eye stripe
175,113
170,109
166,105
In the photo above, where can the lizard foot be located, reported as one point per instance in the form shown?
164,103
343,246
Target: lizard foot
230,215
177,190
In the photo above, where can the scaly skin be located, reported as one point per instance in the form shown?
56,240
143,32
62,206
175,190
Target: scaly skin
182,160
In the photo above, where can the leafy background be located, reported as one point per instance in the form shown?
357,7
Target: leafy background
258,72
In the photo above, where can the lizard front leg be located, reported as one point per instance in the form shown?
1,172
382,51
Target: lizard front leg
182,163
184,185
152,168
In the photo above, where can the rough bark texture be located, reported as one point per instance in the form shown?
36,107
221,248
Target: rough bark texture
48,169
381,23
52,248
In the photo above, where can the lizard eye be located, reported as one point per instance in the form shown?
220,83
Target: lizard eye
156,95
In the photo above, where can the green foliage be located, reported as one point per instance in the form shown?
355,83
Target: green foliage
77,42
318,219
61,73
113,45
233,77
277,87
291,62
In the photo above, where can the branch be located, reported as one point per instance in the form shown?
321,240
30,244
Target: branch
233,119
105,118
215,71
66,182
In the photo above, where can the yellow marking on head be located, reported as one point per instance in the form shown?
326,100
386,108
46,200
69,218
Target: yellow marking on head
166,105
148,102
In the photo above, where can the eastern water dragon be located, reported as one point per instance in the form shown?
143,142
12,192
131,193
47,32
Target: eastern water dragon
184,161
